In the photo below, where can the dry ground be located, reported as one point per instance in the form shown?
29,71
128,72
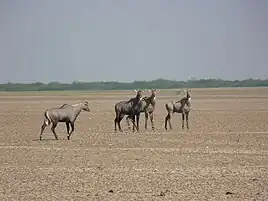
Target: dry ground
224,156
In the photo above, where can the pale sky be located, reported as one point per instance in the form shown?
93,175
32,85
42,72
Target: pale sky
126,40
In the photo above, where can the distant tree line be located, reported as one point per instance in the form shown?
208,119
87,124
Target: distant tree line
158,84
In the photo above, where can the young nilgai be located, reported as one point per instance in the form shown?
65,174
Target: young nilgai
182,106
131,108
148,107
66,113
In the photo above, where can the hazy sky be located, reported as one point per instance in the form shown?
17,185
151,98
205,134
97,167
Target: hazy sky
126,40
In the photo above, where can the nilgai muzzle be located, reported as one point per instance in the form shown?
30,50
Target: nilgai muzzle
66,113
131,107
182,106
148,107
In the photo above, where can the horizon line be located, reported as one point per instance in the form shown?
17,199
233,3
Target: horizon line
193,79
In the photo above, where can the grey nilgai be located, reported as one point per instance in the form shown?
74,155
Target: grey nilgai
131,107
66,113
148,107
182,106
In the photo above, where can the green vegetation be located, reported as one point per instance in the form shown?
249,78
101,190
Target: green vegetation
159,84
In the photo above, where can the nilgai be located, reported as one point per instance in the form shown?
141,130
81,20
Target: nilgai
182,106
131,107
66,113
148,107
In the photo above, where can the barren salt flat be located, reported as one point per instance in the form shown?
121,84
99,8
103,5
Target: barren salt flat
224,155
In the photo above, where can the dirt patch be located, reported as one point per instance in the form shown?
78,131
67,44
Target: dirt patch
223,156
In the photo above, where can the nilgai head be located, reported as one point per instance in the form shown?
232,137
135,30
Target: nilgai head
153,91
188,96
85,106
138,94
152,96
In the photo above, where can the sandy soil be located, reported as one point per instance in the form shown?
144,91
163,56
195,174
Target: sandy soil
224,155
